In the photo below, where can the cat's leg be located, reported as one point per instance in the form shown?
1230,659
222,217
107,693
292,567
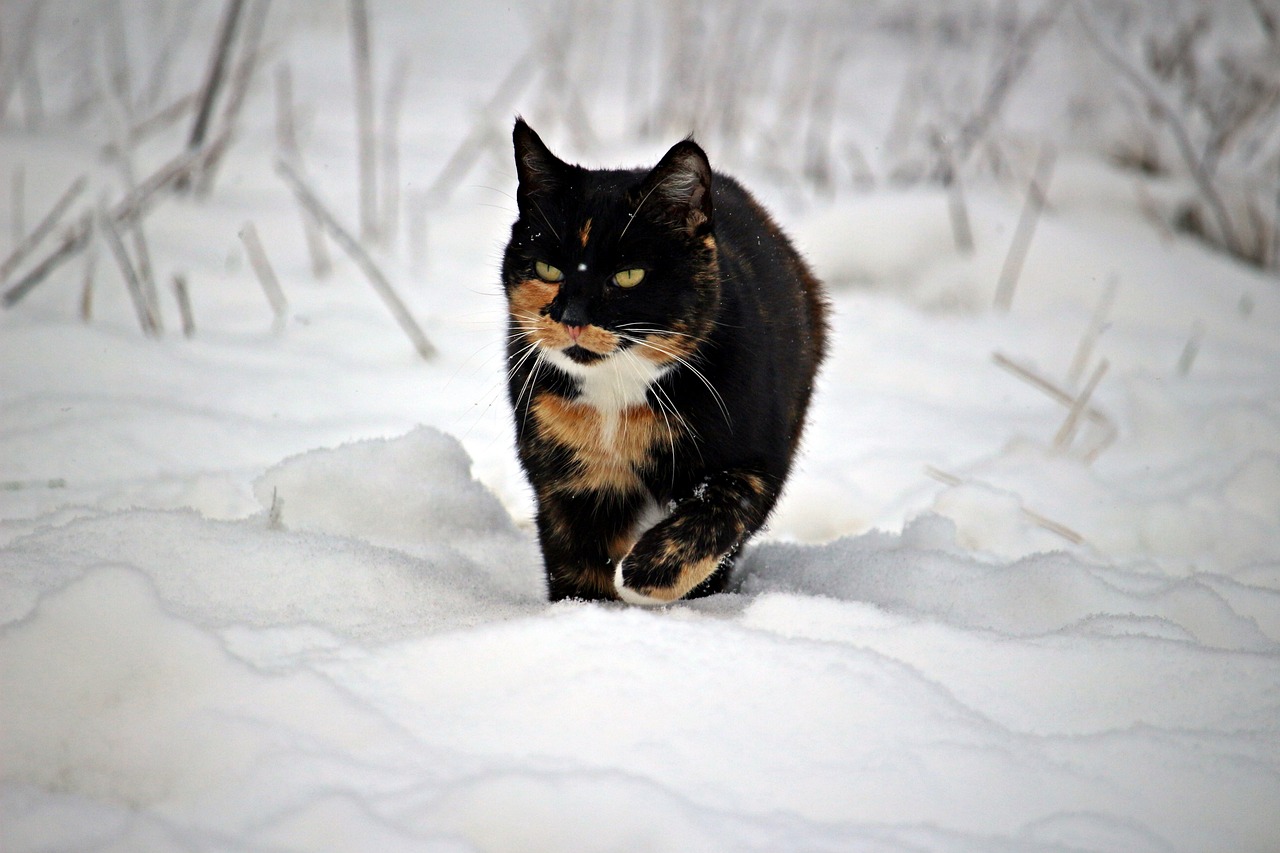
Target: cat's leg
581,537
698,539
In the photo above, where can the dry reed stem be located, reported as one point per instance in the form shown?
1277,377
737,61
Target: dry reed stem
108,227
390,221
139,200
1181,137
266,275
46,225
1034,517
1191,349
1109,431
76,239
183,296
1067,431
357,253
287,142
473,146
17,56
86,285
1037,195
216,72
18,201
366,135
1084,350
241,77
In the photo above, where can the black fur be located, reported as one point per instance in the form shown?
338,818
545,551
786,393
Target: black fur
711,441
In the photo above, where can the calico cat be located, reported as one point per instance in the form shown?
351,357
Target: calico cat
663,341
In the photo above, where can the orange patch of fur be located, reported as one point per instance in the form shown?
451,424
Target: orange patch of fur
611,453
584,233
527,302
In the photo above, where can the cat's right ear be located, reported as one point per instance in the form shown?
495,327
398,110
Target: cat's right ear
537,169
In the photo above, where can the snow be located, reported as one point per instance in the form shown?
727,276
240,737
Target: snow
268,590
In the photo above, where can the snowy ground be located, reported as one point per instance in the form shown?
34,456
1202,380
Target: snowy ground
1030,648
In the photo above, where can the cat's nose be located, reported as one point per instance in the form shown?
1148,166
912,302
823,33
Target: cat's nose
574,331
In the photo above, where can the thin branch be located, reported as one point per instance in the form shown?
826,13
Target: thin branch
366,137
1034,517
1109,431
266,275
1090,337
140,305
1031,210
216,72
76,239
241,77
353,248
86,286
1079,406
1181,137
50,221
287,142
390,224
183,297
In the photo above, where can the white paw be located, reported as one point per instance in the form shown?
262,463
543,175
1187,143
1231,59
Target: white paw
630,596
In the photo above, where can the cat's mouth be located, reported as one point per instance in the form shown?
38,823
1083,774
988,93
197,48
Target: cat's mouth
582,355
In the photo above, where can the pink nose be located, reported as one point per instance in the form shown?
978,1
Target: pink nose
574,331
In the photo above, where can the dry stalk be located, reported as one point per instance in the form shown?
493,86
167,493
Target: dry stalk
266,275
140,305
482,132
287,142
1084,350
241,77
353,248
216,72
1191,349
1067,431
366,135
86,286
46,225
183,296
1181,137
18,202
1031,210
1065,398
76,239
1034,517
17,55
390,224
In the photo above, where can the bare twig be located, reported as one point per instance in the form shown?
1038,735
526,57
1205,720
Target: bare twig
1182,139
50,221
18,55
18,201
473,146
76,239
1065,398
1031,210
216,72
139,200
1090,337
287,141
266,275
390,224
1191,349
241,77
140,305
1079,406
353,248
86,286
1031,515
183,297
366,136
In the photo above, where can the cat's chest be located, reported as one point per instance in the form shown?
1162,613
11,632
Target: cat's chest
609,427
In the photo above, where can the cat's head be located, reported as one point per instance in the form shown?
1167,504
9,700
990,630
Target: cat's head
603,262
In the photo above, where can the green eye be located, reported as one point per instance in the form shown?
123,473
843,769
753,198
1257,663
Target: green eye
546,272
629,278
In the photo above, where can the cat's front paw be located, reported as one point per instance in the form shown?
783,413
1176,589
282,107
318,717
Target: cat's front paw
664,565
633,596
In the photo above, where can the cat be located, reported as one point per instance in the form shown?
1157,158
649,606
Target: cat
663,339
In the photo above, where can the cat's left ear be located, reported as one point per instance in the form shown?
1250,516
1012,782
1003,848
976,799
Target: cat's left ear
539,171
681,184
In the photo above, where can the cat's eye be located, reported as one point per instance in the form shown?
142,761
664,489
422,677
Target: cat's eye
629,278
547,273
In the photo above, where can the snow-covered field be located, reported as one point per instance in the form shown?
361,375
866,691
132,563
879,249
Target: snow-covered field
276,588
